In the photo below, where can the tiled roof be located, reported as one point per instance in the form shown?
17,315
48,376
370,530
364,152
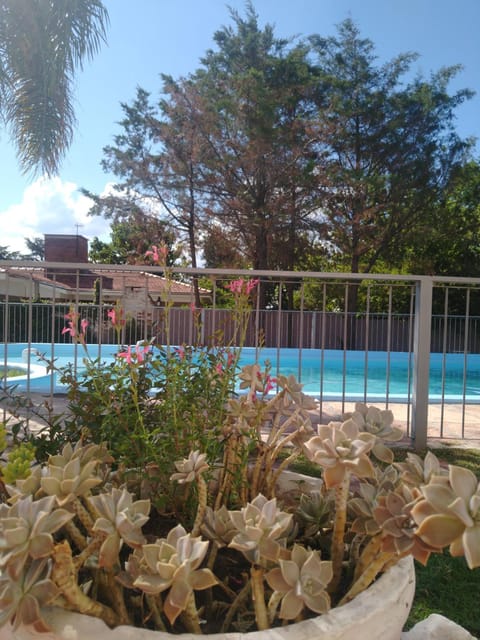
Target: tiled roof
155,284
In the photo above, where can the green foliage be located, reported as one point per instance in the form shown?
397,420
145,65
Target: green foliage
152,410
42,44
446,586
3,436
280,153
131,237
19,463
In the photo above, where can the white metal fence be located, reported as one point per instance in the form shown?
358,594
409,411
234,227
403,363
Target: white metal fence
431,321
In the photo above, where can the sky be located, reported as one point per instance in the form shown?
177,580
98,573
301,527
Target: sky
149,37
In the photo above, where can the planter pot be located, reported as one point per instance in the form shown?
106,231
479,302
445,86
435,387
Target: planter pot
378,613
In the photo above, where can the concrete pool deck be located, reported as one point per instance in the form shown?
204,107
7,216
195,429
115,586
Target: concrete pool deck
461,423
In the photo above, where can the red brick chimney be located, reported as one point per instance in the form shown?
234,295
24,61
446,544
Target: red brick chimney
65,248
71,249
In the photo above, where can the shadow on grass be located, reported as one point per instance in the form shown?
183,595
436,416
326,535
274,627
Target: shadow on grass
448,587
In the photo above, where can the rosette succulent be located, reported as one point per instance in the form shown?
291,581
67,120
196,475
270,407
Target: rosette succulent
26,531
379,423
300,582
173,563
120,519
449,514
262,529
340,448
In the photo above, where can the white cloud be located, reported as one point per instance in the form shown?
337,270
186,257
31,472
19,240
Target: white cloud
50,206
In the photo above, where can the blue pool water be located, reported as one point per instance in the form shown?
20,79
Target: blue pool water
335,375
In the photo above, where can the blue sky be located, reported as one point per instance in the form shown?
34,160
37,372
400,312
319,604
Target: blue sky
149,37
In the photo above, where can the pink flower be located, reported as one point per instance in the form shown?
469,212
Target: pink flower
269,384
126,354
72,316
158,254
250,286
83,325
219,368
70,329
154,253
236,286
116,317
180,352
141,352
242,286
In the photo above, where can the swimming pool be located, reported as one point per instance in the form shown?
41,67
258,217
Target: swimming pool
333,374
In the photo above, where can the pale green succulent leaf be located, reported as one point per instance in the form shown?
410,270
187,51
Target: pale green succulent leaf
291,571
41,545
51,485
54,521
181,588
104,525
319,603
151,584
291,606
108,554
202,579
440,530
383,453
463,481
460,509
276,580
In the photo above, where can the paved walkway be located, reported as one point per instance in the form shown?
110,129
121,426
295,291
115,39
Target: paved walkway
449,424
461,423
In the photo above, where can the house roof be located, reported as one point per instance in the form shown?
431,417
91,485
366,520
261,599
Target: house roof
153,282
115,282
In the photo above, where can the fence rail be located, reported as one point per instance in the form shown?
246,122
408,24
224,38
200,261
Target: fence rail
417,316
42,322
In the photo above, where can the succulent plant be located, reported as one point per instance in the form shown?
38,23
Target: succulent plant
292,392
22,595
399,532
218,526
19,463
301,582
379,423
190,468
366,499
449,515
173,564
74,532
72,473
26,530
315,510
339,448
262,528
120,519
416,471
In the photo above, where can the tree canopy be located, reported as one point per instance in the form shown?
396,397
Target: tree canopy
277,152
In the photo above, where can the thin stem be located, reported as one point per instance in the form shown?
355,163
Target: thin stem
258,596
239,600
64,575
368,576
190,616
338,545
202,504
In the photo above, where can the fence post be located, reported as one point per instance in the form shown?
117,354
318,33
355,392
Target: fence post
421,361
